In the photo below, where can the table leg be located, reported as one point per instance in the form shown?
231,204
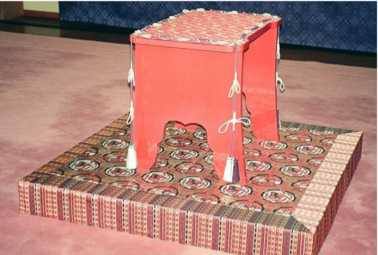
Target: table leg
188,86
147,137
259,85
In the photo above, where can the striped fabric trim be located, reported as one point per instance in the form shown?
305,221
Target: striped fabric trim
285,124
169,218
318,207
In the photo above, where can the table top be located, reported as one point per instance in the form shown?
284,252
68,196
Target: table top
208,27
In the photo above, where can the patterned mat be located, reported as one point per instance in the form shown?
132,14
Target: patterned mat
278,173
294,189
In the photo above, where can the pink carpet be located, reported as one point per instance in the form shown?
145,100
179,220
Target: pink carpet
56,92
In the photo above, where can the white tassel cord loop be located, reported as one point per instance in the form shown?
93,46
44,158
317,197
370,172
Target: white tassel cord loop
131,80
231,171
132,161
223,129
131,114
131,76
280,84
235,88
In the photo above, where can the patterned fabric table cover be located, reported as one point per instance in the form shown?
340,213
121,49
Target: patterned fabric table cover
208,27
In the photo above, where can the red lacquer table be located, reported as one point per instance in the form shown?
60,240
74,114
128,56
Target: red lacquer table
184,68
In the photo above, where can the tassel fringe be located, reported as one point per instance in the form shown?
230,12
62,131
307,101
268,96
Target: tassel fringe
130,76
132,161
231,171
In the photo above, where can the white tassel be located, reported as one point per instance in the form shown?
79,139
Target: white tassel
132,161
130,76
231,171
228,170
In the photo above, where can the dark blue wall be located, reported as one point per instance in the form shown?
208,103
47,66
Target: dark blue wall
335,25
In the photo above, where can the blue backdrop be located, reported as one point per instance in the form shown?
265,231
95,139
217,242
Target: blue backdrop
335,25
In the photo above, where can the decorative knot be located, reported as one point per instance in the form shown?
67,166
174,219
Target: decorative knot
131,114
280,84
223,129
235,87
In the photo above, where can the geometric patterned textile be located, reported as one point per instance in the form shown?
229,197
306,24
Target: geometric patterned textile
334,25
294,189
207,27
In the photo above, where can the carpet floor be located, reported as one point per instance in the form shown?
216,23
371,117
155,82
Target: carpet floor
56,92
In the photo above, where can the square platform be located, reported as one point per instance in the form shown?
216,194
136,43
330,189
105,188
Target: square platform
294,189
